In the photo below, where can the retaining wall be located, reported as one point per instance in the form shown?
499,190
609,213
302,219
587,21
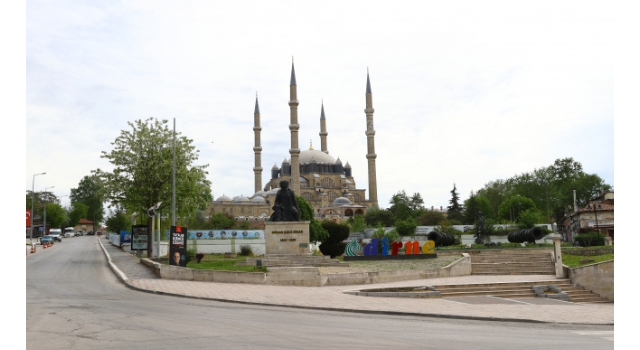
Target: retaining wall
188,274
596,277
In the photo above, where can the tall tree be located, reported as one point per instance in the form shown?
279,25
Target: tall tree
90,193
142,174
454,210
56,215
77,211
118,221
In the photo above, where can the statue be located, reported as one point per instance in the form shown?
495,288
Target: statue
480,228
285,207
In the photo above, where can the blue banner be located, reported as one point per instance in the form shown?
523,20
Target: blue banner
125,237
225,234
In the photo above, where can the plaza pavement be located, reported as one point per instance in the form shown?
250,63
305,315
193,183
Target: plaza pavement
137,276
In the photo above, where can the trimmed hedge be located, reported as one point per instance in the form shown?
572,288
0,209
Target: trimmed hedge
589,239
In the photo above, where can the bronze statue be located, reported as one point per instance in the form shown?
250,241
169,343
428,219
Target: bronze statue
285,207
480,228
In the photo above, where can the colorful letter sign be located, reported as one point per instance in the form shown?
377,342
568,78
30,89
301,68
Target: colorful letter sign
178,246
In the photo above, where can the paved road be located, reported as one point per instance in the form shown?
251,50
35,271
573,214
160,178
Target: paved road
74,301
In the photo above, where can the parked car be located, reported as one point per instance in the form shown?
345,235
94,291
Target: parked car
90,233
79,233
56,234
46,239
68,232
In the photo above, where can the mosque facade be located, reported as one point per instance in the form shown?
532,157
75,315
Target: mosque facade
322,180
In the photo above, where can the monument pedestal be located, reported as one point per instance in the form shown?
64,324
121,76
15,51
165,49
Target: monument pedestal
286,238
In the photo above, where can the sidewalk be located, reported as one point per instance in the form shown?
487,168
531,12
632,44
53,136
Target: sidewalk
137,276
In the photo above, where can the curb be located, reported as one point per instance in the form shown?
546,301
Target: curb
124,279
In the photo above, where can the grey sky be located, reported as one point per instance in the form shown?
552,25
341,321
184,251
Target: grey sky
463,91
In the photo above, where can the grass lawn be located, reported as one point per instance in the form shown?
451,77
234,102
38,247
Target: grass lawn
574,260
219,262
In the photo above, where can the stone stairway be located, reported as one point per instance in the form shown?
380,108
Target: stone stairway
577,294
512,262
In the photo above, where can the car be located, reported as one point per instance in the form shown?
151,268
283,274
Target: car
68,232
90,233
56,234
46,239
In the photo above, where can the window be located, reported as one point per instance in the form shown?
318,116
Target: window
327,182
332,196
356,197
307,196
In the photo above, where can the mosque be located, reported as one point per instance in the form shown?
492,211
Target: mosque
316,176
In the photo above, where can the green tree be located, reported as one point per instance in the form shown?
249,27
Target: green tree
90,193
316,232
56,215
220,221
357,223
375,217
118,221
406,227
529,218
431,218
39,199
454,210
142,175
470,209
333,244
77,211
511,207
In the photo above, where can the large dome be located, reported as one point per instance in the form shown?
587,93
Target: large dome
316,156
341,201
223,198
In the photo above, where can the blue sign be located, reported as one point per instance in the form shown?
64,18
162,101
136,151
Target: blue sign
225,234
125,236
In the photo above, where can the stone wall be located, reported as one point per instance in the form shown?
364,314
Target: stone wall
187,274
587,251
596,277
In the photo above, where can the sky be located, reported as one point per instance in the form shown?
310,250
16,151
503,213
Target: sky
464,92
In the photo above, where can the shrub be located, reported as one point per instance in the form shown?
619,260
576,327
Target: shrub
245,250
333,249
589,239
191,253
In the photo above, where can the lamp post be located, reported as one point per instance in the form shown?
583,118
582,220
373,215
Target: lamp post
44,224
33,197
152,213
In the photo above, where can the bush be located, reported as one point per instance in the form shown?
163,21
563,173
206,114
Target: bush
245,250
589,239
191,253
333,249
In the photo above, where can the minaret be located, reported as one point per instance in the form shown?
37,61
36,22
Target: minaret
294,151
323,131
371,150
257,149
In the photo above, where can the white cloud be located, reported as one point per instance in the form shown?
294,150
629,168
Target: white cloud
464,91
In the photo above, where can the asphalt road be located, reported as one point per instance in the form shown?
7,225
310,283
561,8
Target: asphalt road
75,302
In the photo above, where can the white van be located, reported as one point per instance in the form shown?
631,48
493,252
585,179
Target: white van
68,232
56,233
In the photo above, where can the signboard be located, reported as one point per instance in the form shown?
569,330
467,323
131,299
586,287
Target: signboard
224,234
139,237
125,237
28,217
178,246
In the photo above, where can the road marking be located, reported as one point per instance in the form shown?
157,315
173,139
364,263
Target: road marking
521,302
608,334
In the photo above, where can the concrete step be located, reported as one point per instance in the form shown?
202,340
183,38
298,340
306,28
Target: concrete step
496,293
512,273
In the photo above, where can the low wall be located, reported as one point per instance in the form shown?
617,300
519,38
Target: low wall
460,267
221,246
187,274
587,251
596,277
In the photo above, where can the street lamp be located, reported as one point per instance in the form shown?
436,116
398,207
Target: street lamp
32,201
44,224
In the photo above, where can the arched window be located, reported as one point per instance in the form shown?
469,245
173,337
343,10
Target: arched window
359,212
307,196
348,212
332,196
327,182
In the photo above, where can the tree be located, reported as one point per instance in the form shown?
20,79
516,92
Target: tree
375,217
118,221
529,218
333,244
431,218
90,193
56,215
511,207
454,210
77,211
357,223
406,227
221,221
471,209
142,175
39,198
316,232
